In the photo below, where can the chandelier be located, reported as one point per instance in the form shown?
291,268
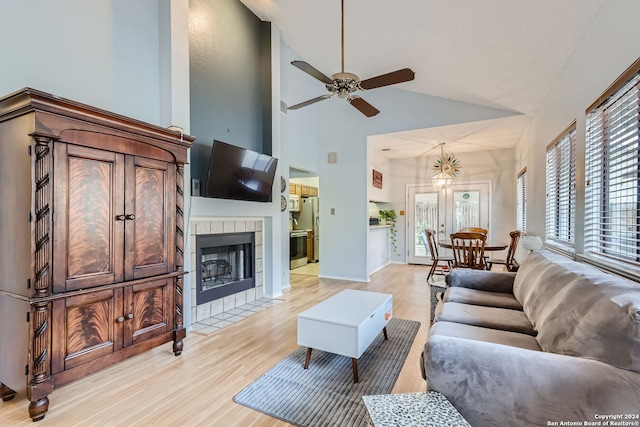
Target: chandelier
445,168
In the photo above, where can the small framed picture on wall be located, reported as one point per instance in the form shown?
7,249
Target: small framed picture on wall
377,179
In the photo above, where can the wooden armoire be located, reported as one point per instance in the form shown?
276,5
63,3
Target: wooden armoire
91,241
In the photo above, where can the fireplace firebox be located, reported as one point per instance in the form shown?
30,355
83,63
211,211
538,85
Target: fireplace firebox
225,265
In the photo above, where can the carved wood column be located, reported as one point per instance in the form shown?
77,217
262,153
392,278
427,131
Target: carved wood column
40,383
43,204
179,330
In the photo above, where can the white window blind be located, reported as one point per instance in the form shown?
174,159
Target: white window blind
521,196
612,196
561,189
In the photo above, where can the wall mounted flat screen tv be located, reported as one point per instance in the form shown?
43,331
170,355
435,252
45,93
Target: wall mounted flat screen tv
239,174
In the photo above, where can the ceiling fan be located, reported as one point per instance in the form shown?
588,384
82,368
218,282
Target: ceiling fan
345,84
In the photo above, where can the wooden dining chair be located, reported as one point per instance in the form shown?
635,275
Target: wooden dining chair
429,241
468,250
510,261
477,230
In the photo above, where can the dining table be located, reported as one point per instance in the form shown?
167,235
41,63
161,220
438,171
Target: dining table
489,246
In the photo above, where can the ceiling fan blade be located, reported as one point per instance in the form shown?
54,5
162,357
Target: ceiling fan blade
309,102
400,76
312,72
363,106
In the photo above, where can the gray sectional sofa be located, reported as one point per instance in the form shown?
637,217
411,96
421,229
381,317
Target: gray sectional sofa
558,341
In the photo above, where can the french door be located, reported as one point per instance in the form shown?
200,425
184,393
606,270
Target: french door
445,211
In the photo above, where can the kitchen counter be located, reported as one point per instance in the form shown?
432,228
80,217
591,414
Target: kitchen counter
300,231
373,227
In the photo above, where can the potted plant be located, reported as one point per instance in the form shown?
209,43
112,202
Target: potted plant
389,217
383,216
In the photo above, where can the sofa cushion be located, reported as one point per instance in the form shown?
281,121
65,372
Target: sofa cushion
477,333
484,298
487,317
492,281
505,385
579,310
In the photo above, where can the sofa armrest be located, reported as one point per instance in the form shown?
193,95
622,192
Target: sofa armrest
492,281
493,384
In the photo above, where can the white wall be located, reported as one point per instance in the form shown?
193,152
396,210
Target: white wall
174,96
104,53
299,127
298,132
611,44
344,184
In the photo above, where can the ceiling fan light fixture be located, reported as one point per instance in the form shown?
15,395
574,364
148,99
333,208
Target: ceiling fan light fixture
345,84
441,180
445,167
346,77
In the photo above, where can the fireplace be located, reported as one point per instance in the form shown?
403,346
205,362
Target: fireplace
225,265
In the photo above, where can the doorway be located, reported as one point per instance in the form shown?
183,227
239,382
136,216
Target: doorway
304,222
445,211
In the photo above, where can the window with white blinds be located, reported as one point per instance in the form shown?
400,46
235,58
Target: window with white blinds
612,195
521,196
561,189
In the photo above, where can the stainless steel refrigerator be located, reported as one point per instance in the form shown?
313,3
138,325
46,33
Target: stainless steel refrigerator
309,219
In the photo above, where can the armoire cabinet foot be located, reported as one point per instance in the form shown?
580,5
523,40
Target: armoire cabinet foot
38,394
178,336
6,393
38,408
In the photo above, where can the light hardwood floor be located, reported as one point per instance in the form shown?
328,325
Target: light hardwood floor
197,388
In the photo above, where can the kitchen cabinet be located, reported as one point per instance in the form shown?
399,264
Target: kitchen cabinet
295,189
93,242
309,191
303,190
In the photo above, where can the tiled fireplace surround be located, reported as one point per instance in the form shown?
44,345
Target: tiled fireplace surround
227,225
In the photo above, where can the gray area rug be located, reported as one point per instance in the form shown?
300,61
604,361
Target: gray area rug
434,288
324,394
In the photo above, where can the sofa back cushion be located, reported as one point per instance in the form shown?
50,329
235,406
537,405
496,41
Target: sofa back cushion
579,310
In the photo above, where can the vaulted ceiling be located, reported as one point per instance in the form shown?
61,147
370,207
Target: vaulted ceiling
504,54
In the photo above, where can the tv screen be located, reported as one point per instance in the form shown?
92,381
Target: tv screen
239,174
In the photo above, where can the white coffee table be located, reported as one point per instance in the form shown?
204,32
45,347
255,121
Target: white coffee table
345,324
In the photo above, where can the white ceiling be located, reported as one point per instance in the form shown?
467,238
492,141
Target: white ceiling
505,54
467,137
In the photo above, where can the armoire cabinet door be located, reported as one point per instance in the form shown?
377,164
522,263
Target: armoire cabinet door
114,217
150,188
148,310
88,217
87,327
